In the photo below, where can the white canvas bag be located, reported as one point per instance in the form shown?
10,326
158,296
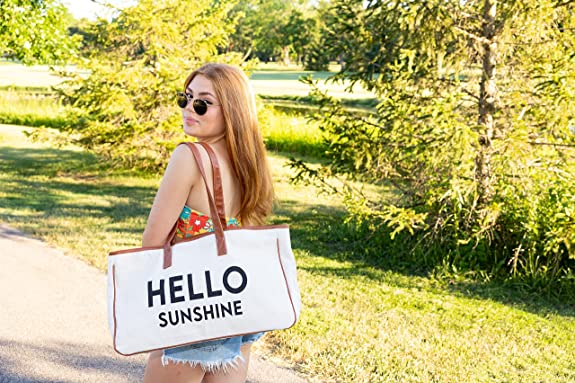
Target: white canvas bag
216,285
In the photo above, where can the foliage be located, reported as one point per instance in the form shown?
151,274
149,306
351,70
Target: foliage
331,38
268,29
431,132
35,31
321,48
124,108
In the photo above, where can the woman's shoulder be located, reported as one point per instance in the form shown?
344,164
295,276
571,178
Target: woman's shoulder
182,163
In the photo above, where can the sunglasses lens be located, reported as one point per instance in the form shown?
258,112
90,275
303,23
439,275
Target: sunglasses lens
182,100
200,107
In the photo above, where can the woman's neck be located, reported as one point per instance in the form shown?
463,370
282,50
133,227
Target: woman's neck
215,140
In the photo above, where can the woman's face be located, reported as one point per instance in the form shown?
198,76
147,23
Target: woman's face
209,126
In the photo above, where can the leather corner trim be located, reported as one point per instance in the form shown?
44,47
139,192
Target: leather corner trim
286,282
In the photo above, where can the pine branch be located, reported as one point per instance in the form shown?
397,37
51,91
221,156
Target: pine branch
475,37
466,91
565,3
550,143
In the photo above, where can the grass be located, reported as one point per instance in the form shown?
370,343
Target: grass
271,80
291,132
359,323
30,106
287,83
286,130
12,73
306,104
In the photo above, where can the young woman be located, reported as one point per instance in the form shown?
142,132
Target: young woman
218,108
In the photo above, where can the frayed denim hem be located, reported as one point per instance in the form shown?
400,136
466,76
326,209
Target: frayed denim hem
222,366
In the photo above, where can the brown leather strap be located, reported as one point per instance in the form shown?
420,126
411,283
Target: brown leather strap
168,247
218,227
218,188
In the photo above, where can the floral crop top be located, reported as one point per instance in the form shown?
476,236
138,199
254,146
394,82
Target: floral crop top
192,222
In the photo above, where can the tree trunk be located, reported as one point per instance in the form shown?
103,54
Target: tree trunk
487,104
286,55
247,55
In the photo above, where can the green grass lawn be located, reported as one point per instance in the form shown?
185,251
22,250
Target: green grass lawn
30,107
32,76
278,81
359,323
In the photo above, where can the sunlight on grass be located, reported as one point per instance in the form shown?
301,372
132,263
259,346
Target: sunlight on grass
367,325
282,131
272,79
30,108
291,133
12,73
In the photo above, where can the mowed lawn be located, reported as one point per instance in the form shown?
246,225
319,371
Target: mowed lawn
359,323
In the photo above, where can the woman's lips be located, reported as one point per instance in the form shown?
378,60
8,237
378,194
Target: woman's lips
189,120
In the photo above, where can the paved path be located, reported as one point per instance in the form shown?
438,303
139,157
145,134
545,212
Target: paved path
53,325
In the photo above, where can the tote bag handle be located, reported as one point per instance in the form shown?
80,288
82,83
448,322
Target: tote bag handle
218,189
217,208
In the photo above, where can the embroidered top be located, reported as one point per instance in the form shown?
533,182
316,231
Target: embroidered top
192,222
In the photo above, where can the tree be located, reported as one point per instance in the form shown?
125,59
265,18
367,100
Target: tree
471,137
242,40
296,34
35,31
322,48
272,28
124,109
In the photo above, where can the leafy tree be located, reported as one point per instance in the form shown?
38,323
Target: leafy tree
471,138
35,31
297,34
124,108
243,39
272,28
323,46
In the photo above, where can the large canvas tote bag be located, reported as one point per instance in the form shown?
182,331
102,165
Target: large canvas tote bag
215,285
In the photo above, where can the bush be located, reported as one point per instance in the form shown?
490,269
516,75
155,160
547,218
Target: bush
422,155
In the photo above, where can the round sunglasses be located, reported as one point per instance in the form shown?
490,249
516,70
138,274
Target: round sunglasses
200,106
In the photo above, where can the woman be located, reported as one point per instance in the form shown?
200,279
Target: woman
218,108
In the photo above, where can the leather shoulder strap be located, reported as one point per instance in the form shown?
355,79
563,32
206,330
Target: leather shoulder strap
218,227
218,188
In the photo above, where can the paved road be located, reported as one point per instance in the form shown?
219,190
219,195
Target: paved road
53,325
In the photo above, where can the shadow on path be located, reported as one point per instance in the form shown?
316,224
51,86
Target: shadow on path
64,362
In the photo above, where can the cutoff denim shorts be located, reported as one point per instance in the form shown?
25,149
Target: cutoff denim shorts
214,355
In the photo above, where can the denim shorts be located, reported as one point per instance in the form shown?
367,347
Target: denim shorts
214,355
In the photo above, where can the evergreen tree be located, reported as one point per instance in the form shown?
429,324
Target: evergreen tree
472,134
124,109
270,29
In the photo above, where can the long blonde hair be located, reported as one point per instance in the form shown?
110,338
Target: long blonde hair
244,141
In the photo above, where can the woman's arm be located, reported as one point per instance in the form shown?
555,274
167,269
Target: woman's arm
174,189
